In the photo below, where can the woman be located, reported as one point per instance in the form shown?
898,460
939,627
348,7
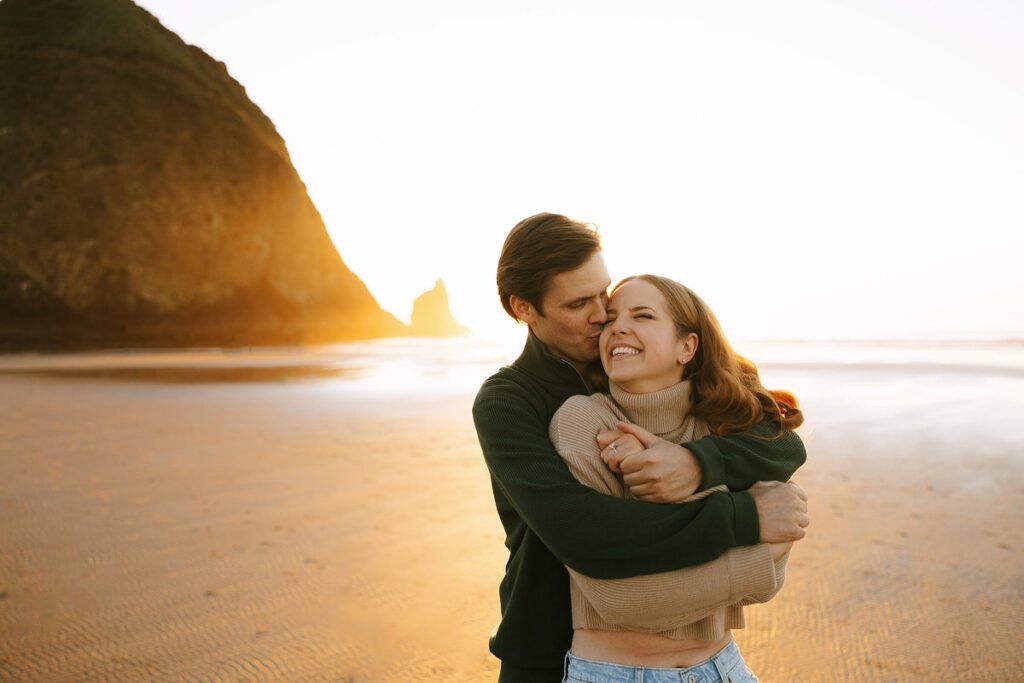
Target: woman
672,372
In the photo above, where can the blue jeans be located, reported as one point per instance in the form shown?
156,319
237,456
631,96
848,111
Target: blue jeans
725,666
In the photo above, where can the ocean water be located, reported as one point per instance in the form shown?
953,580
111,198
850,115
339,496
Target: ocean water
455,359
973,387
456,363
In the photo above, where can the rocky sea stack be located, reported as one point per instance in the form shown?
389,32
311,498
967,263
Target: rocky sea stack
147,201
431,316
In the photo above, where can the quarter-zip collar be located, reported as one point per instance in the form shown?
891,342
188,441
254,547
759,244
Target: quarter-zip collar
538,360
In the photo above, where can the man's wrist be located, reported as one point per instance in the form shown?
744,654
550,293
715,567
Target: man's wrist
747,526
710,462
692,469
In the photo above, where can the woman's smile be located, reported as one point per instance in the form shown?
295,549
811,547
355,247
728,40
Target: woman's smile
620,352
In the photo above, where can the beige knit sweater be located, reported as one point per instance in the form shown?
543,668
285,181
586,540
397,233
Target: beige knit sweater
693,603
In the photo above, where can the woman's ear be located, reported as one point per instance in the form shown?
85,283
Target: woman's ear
687,348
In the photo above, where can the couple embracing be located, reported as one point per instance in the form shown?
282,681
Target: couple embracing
638,469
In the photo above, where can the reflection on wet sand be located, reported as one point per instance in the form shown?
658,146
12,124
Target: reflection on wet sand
198,374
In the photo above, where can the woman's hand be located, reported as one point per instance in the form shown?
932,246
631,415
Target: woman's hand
616,446
655,470
780,550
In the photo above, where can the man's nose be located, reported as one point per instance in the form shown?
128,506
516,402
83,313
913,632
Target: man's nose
599,315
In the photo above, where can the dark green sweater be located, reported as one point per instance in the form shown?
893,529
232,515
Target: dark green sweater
552,520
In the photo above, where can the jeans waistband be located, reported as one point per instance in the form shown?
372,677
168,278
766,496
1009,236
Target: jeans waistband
715,668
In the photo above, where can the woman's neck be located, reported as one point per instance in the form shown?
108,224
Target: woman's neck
659,411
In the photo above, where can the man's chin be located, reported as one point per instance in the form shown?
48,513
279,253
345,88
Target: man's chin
582,357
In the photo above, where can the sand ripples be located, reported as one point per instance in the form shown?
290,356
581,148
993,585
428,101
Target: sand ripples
225,532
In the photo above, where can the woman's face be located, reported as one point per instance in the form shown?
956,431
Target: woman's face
639,347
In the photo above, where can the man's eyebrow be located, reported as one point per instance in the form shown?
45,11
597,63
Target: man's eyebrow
580,299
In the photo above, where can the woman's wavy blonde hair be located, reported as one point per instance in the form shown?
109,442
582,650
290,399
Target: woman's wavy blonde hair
727,390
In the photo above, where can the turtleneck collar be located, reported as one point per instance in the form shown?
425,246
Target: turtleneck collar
659,412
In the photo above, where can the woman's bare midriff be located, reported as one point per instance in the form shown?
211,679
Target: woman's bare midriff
643,649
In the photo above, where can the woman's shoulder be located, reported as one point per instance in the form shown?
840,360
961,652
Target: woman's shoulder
582,412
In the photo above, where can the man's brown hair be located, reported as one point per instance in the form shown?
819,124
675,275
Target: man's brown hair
537,249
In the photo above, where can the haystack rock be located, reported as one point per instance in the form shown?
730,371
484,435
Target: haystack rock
431,316
147,201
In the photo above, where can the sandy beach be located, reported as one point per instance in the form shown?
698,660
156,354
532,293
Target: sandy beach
259,516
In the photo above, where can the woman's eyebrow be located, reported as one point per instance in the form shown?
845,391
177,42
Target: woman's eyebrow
640,308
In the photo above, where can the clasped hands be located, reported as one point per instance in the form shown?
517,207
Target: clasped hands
655,470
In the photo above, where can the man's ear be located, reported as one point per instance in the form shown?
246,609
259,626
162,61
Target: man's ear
523,309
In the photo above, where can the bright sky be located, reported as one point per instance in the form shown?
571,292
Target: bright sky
813,169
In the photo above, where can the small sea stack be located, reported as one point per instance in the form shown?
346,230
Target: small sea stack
431,316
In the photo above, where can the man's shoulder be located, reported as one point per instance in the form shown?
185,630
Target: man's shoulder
507,384
505,398
505,379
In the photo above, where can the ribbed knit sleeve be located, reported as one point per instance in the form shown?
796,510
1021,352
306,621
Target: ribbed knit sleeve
764,594
673,603
740,460
683,603
595,534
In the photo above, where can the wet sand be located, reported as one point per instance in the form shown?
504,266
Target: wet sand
253,526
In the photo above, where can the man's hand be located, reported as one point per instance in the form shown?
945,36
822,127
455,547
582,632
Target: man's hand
781,511
780,550
663,472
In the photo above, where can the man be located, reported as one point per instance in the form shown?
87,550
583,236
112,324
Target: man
551,276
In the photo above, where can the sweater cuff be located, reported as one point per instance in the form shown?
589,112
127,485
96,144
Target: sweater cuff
712,463
747,526
752,572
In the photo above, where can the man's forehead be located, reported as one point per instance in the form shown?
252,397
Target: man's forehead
589,280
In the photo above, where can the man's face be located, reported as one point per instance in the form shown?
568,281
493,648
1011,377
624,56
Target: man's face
574,311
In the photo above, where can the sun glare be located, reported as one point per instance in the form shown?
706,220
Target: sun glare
812,171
